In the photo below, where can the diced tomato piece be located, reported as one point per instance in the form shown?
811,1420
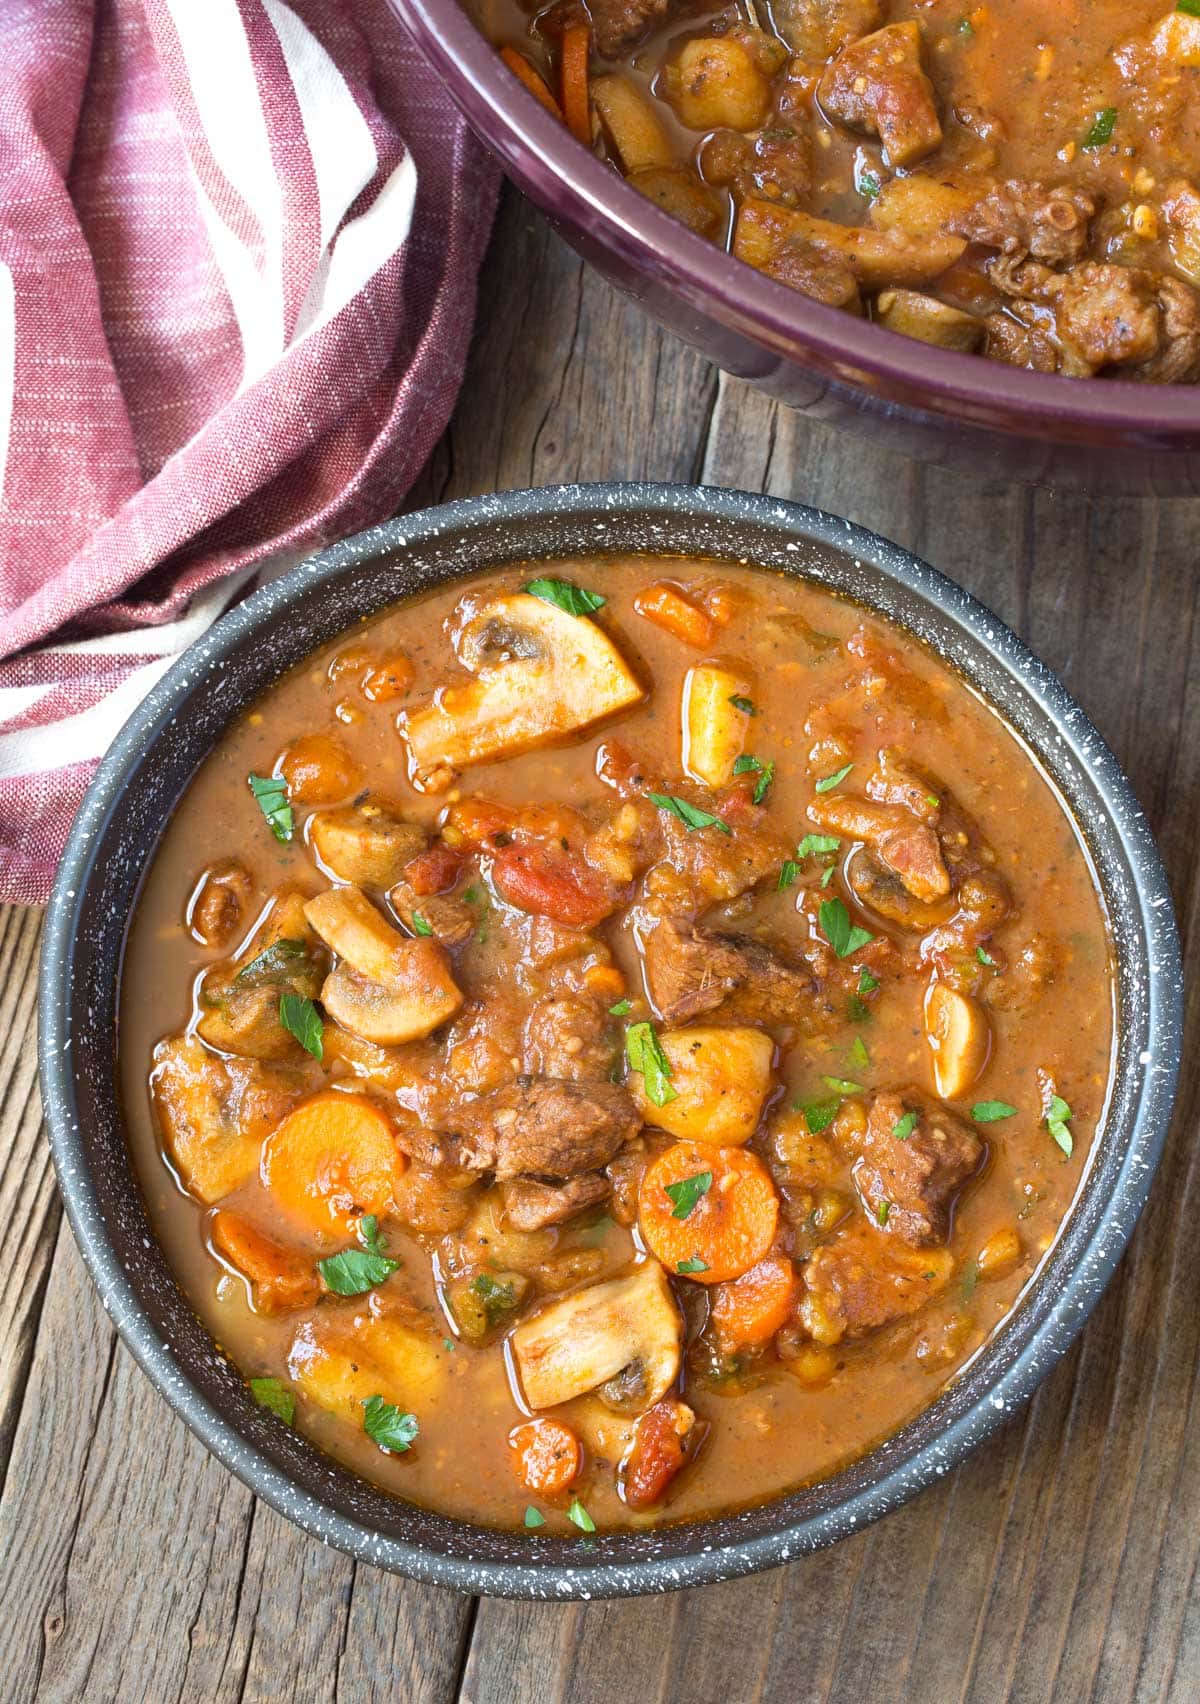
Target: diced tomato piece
552,883
659,1451
623,770
549,1456
473,824
434,870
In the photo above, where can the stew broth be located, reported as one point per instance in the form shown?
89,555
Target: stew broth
900,1227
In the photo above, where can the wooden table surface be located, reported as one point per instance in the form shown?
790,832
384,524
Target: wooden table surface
1059,1562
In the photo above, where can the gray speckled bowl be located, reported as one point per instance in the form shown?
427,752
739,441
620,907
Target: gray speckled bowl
140,783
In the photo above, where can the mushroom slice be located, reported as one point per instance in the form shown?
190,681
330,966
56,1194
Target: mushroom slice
592,1335
959,1037
720,1075
367,843
386,988
540,674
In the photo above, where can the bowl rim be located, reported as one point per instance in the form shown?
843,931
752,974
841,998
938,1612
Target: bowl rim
564,1574
560,173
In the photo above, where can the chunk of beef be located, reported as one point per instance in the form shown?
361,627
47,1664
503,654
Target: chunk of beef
569,1038
692,970
917,1176
822,276
1020,343
617,24
816,29
1177,361
703,867
531,1206
862,1280
1109,314
1029,219
446,916
538,1125
906,846
878,84
1100,316
776,164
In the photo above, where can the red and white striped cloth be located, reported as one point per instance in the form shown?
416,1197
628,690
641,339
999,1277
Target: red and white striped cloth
238,249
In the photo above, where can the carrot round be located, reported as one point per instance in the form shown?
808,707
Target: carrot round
281,1278
665,605
331,1161
532,79
729,1226
749,1310
549,1456
576,47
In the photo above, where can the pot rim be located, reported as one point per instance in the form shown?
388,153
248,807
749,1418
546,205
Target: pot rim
566,1572
571,182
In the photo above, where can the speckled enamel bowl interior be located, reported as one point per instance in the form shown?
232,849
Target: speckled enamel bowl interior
140,784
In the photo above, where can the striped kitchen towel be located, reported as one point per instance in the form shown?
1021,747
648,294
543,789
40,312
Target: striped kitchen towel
238,249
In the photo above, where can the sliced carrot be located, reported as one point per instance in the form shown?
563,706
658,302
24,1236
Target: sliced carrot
549,882
281,1278
732,1223
576,104
332,1160
665,605
751,1309
549,1456
533,80
318,770
658,1452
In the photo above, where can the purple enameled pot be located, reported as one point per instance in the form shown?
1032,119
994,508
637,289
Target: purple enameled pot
959,410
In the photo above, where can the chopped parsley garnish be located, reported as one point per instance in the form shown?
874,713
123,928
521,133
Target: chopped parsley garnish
842,1085
384,1422
819,1115
987,1112
300,1018
859,1053
449,1345
788,871
357,1270
867,984
904,1128
690,815
747,764
843,937
695,1264
274,1394
579,1516
271,795
981,953
869,186
1058,1117
882,1211
687,1192
966,27
970,1278
420,927
533,1518
815,845
826,878
740,702
645,1054
828,782
1101,129
1190,7
498,1299
273,964
575,600
619,1008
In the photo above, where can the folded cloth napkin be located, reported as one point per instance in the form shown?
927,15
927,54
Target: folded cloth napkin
238,250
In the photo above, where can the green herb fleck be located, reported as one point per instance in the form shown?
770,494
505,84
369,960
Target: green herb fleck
690,815
828,782
274,964
687,1192
357,1270
274,1394
859,1053
837,930
904,1128
882,1211
580,1517
814,845
1101,128
420,927
1057,1119
498,1299
746,764
1191,8
788,871
695,1264
384,1422
843,1085
740,702
300,1018
533,1518
966,27
645,1054
981,954
449,1345
272,797
970,1278
563,595
869,186
867,984
987,1112
619,1008
819,1115
826,878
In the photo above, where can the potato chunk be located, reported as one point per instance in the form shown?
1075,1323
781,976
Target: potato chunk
1177,40
721,1077
340,1361
631,124
875,258
928,320
716,85
214,1113
541,674
592,1335
714,726
959,1038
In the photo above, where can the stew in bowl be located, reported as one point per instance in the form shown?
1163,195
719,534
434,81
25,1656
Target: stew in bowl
606,1042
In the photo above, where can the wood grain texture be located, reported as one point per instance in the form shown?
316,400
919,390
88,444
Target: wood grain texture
1059,1563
